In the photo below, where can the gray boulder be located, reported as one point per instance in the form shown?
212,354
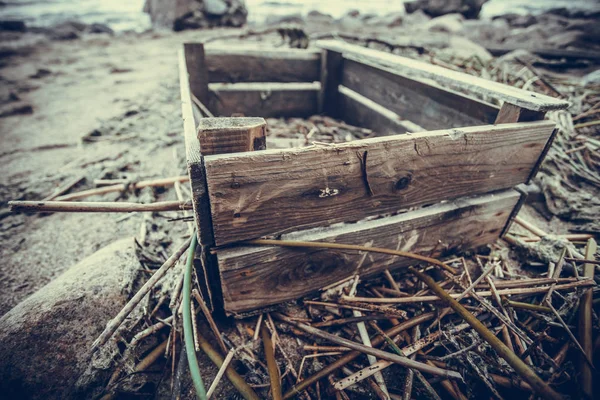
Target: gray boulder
45,340
437,8
196,14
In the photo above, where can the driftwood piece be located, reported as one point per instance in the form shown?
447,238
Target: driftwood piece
233,65
275,191
425,104
100,206
446,78
586,321
256,277
264,99
510,113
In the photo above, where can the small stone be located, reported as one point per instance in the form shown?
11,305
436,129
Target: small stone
591,79
450,23
215,7
100,28
13,26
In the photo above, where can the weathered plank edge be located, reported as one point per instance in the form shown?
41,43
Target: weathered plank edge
465,109
336,234
196,172
446,77
516,209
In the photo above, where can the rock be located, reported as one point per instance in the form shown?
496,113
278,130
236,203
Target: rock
192,14
436,8
567,39
100,28
351,20
591,79
13,109
516,56
295,18
40,73
391,20
449,23
517,20
463,49
317,16
13,26
418,18
215,7
45,340
485,32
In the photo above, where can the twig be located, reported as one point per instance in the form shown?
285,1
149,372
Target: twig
63,206
503,351
222,369
487,293
530,227
527,306
271,363
149,331
405,362
346,358
586,320
123,187
211,321
114,324
322,245
64,188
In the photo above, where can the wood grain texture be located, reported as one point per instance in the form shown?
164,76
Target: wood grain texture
255,277
277,191
332,64
231,65
195,163
446,78
424,104
195,167
360,111
231,135
196,69
264,99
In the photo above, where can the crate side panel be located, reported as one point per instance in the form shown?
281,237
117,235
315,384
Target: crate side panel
242,65
255,277
279,191
426,105
264,100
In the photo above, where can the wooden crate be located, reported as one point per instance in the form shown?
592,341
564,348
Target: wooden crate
438,179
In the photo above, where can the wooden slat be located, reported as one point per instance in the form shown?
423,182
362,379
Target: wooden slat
264,99
426,105
196,69
276,191
447,78
255,277
195,167
360,111
230,64
332,64
231,135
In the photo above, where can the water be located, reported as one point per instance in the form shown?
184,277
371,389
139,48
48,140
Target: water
123,15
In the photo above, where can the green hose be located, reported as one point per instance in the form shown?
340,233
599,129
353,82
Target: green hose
188,335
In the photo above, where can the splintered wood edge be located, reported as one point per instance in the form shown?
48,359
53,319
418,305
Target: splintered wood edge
218,124
443,76
277,54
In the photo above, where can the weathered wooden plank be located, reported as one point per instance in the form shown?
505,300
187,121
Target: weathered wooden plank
360,111
510,113
275,191
231,65
196,70
332,64
428,106
264,99
195,167
255,277
446,78
231,135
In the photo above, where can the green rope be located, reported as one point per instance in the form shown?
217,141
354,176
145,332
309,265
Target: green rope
188,335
